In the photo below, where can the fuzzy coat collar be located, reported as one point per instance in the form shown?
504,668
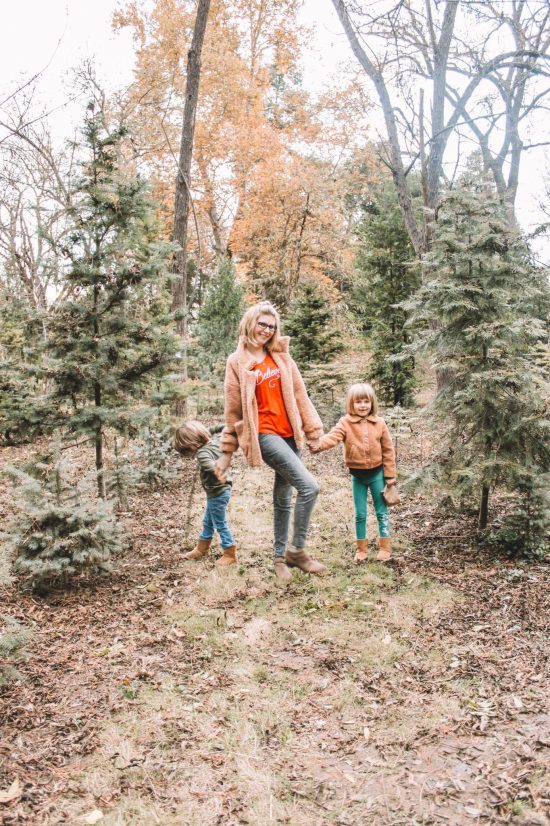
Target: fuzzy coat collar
248,361
351,417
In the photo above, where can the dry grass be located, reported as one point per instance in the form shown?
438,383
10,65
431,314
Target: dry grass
321,704
281,687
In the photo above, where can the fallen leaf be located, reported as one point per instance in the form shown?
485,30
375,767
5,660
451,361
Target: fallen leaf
93,817
12,793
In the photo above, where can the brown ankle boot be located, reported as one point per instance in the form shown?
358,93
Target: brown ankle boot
298,558
385,549
281,569
362,550
229,557
203,546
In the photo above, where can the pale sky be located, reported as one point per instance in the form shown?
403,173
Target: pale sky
58,35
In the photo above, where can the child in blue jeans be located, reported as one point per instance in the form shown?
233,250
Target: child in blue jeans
194,439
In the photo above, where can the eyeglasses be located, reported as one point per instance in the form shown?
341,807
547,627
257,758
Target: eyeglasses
264,326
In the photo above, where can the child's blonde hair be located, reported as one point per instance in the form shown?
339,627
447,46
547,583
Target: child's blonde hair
189,436
248,324
361,391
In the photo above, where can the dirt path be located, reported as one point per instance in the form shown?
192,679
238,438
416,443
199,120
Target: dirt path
174,694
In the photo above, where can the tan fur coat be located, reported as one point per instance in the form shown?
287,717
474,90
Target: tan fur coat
241,409
367,443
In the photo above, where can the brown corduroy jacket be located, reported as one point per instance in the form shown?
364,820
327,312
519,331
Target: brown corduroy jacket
241,408
367,443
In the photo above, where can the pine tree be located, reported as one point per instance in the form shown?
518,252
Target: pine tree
310,323
482,306
58,533
218,320
110,343
386,277
525,530
155,457
25,410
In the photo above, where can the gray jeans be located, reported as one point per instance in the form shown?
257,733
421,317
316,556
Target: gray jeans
290,472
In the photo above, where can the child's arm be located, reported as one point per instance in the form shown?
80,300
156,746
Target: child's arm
205,460
216,428
332,438
388,456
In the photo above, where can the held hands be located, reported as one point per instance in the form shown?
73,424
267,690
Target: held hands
390,482
221,466
314,445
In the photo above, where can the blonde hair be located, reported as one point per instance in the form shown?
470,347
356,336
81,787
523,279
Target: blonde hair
361,391
189,436
248,324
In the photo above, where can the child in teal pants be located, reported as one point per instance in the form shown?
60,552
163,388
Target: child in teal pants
370,456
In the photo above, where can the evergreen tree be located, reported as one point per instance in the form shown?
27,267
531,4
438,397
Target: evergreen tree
58,534
386,277
156,460
25,410
482,306
218,320
310,323
525,530
110,343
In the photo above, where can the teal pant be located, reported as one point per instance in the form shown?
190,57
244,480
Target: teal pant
373,479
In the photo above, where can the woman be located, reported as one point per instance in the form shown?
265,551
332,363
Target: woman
266,410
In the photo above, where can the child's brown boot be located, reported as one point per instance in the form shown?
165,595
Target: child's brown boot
203,546
362,550
229,556
298,558
385,549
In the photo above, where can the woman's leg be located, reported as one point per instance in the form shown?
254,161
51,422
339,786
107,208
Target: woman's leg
376,485
283,456
282,504
360,490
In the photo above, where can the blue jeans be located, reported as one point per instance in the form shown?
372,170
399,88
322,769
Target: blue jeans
283,457
215,519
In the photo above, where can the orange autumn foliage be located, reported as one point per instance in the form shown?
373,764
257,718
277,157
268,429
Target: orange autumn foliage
265,182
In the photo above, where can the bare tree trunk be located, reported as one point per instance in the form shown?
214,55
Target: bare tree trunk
98,441
295,270
396,165
220,246
183,178
98,438
483,508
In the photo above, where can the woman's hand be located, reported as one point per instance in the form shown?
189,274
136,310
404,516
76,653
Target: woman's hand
314,445
221,466
390,482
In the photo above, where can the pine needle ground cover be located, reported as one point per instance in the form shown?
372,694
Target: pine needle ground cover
171,694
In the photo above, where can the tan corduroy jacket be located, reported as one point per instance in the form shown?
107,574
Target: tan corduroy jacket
241,408
367,443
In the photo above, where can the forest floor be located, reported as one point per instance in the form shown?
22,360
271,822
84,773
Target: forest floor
173,693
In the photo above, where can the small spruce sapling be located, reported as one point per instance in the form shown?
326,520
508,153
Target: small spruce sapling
315,338
218,320
57,534
525,529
